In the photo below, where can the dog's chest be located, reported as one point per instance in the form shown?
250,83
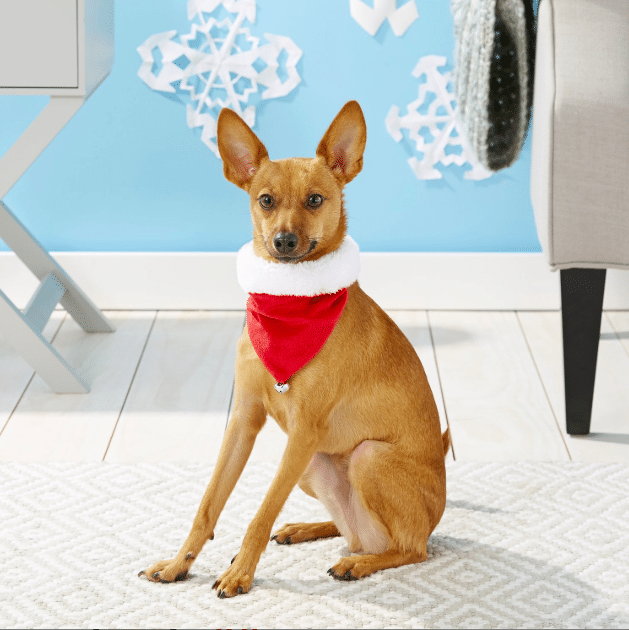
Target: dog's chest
339,435
282,411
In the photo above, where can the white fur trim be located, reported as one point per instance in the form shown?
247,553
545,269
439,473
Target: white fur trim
328,274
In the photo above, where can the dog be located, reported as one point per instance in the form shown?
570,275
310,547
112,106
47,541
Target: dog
350,392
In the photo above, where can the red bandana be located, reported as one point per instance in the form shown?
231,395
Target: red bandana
287,331
292,309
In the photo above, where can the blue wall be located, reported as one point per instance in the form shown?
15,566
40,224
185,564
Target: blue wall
127,174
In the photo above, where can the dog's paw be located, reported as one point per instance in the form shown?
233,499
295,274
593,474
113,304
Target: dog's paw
167,570
285,535
235,581
293,533
348,569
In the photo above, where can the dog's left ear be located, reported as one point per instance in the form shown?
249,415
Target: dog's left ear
240,149
343,144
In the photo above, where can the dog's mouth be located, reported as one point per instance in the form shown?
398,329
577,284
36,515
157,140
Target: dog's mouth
296,258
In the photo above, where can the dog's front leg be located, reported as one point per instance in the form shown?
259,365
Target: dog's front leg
302,445
247,419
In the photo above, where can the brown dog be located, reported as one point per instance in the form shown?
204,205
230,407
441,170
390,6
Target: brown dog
362,424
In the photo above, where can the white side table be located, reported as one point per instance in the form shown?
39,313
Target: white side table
63,48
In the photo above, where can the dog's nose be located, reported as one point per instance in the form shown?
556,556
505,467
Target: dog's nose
285,242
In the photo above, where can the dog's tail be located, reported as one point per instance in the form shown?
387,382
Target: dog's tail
446,441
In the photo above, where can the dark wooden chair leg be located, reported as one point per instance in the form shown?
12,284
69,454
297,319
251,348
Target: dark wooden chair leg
581,311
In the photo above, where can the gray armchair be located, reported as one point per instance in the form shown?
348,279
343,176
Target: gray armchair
580,171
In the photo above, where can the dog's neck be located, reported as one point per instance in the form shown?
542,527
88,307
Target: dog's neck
329,274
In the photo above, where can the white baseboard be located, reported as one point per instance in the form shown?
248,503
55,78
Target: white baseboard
207,281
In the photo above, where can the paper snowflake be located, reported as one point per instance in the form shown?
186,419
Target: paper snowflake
219,64
448,143
371,18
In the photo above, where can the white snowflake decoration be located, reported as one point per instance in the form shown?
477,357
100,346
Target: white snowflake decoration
208,62
442,126
372,18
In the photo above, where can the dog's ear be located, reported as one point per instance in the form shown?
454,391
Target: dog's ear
343,144
240,149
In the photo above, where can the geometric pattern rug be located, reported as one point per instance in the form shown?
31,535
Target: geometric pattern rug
520,545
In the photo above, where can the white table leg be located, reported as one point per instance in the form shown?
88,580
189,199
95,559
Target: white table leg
37,352
41,263
39,134
23,330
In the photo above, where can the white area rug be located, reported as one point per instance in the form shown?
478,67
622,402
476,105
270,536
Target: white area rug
520,545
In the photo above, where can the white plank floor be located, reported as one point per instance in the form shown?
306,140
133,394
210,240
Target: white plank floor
162,387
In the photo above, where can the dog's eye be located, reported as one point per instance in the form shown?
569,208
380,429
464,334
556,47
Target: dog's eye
266,201
315,200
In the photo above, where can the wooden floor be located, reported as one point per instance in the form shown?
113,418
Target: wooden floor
162,386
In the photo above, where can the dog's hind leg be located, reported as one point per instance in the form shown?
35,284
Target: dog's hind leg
326,479
356,567
393,508
292,533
